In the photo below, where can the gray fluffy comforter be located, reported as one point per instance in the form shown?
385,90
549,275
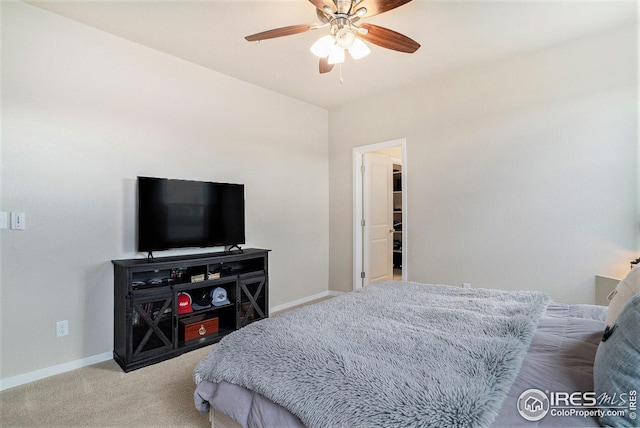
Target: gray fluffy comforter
392,354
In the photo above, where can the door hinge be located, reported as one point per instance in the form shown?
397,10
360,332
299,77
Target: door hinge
362,169
362,275
362,222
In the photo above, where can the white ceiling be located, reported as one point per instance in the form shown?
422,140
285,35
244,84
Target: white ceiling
452,33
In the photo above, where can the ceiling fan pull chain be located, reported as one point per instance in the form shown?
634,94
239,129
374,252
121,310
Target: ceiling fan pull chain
341,81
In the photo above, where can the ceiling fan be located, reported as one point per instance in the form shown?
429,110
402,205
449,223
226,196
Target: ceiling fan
342,16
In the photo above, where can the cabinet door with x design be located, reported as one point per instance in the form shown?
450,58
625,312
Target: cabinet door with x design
152,331
253,294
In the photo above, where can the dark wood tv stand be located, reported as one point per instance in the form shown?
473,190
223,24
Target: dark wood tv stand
147,326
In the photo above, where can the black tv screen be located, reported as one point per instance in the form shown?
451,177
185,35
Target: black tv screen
182,213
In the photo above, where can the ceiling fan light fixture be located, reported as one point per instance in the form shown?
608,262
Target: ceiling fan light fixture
345,38
361,12
340,16
322,46
359,49
336,56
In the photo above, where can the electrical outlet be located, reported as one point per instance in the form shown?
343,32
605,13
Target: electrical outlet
62,328
466,285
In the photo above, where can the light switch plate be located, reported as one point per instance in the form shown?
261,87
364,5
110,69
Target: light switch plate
18,221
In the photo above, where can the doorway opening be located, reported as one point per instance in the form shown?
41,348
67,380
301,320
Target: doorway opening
380,246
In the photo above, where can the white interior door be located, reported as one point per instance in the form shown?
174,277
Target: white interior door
378,218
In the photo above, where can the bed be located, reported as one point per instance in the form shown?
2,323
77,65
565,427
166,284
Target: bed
409,354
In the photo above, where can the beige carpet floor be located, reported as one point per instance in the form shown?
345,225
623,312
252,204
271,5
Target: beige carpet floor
103,395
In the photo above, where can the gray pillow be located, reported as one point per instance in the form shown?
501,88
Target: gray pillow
616,370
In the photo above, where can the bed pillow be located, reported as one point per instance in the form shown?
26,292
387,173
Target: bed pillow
626,289
615,369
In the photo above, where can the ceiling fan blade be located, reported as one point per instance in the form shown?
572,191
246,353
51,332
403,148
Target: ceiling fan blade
280,32
388,39
322,3
324,65
376,7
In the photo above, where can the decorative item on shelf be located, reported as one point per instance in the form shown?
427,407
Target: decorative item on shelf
184,304
198,327
197,278
176,274
219,297
201,300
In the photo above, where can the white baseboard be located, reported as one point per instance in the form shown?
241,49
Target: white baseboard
54,370
22,379
304,300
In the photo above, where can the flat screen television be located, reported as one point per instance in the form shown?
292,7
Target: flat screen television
183,213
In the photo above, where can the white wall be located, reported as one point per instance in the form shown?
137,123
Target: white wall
521,172
83,114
